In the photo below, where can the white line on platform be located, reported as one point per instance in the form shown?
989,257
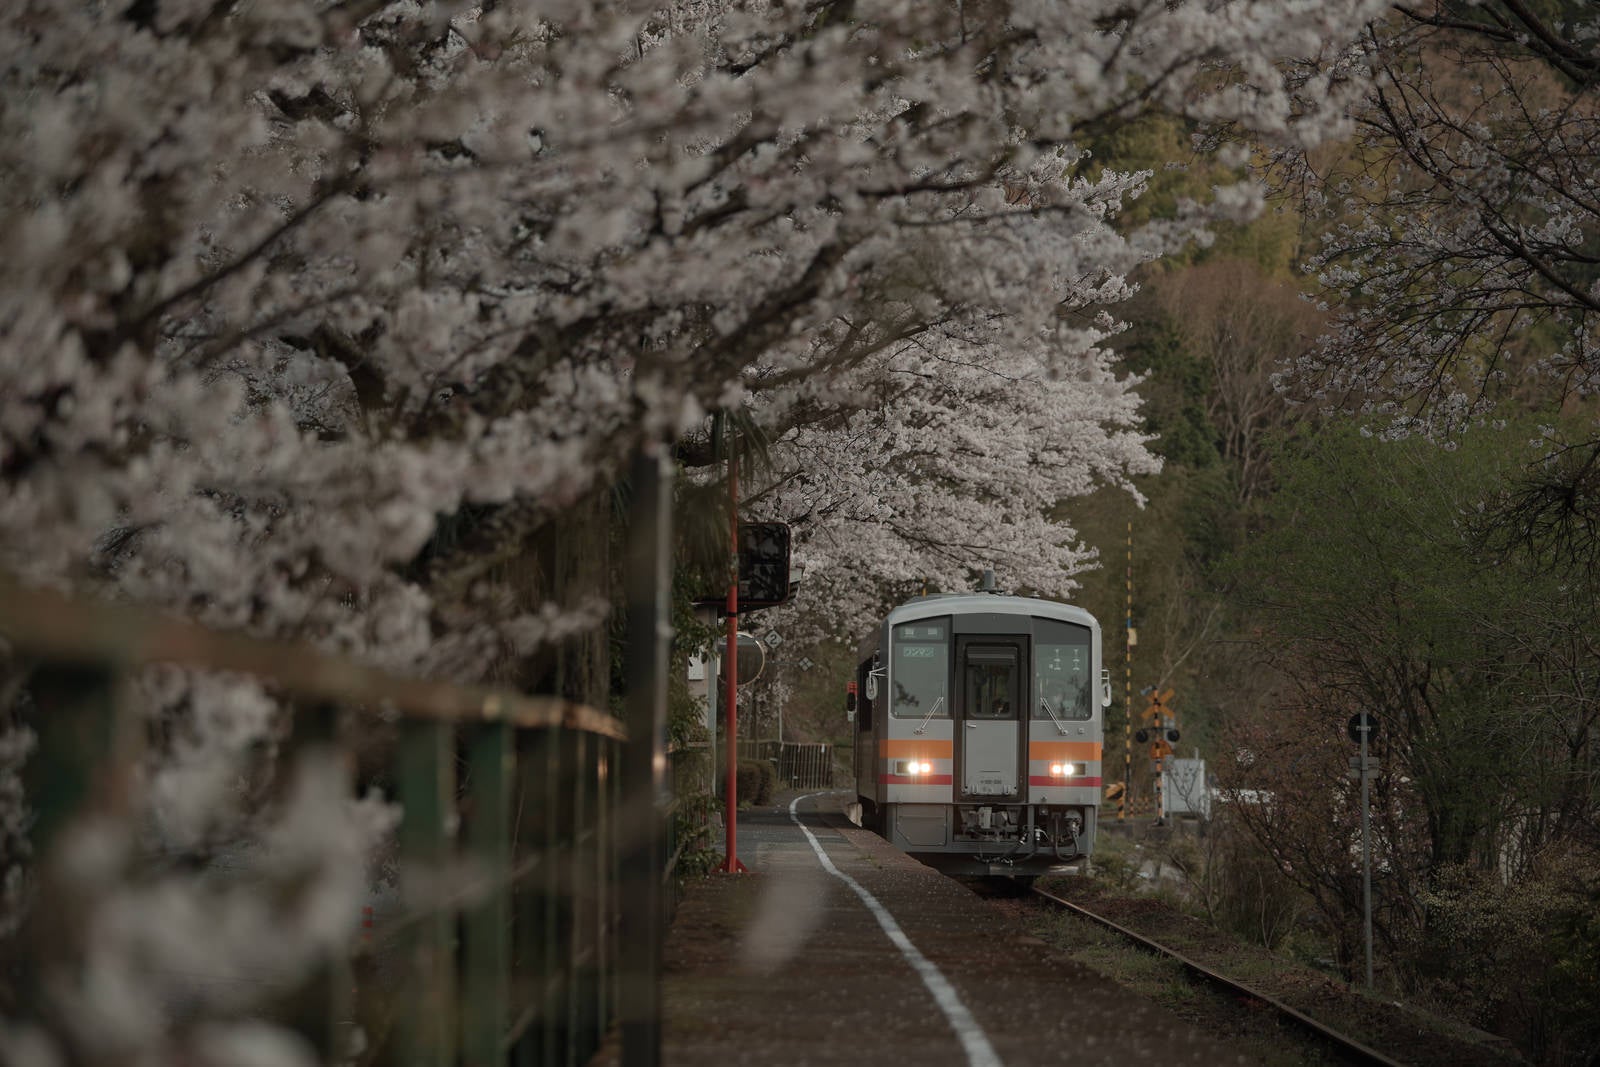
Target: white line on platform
976,1043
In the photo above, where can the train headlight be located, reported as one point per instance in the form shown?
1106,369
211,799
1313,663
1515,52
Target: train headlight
1062,770
913,767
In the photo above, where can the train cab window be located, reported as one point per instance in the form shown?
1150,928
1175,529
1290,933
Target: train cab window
919,681
992,682
1063,671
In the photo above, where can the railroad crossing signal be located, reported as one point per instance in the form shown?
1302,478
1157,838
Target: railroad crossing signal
1163,728
1158,705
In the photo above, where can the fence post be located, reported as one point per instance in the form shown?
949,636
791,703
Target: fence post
540,901
426,771
644,758
486,951
76,727
77,769
582,961
324,1007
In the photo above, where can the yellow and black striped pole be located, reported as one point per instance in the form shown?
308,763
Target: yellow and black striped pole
1127,689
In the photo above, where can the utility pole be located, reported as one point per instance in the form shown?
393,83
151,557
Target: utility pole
730,862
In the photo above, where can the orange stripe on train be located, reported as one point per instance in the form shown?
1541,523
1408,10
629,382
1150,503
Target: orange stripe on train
1071,750
930,749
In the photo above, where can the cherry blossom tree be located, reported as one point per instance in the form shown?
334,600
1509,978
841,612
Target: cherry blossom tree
958,464
303,277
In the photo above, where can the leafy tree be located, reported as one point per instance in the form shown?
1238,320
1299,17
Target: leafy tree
1376,591
1461,246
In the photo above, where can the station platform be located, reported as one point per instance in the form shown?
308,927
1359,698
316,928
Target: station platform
836,948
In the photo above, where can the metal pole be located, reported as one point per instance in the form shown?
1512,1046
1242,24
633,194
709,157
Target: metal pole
644,759
713,672
1159,763
1366,855
730,862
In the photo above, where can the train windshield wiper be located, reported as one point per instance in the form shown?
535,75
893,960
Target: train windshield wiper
923,725
1052,715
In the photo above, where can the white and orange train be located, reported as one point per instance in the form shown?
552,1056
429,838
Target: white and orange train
979,732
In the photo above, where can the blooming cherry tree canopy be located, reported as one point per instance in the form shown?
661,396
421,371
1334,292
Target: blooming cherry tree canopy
288,281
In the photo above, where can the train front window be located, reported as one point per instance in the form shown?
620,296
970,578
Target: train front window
991,682
1063,671
920,680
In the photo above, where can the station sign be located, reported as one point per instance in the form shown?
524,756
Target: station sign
1362,724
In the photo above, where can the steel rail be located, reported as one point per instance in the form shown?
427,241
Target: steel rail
1349,1047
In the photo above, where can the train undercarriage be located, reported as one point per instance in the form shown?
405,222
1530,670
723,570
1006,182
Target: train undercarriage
987,838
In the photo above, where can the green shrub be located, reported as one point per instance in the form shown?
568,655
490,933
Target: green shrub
1520,958
692,829
1242,889
769,781
1116,862
749,781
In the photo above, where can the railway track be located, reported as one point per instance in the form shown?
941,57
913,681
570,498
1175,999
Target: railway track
1345,1048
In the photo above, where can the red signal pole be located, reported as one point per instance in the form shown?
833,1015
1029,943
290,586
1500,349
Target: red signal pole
730,863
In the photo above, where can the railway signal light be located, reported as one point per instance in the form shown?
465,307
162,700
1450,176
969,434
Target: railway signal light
764,571
763,565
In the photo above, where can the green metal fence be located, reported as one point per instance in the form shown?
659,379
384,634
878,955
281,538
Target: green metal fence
556,940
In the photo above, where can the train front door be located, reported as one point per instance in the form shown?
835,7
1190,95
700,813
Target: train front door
992,682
